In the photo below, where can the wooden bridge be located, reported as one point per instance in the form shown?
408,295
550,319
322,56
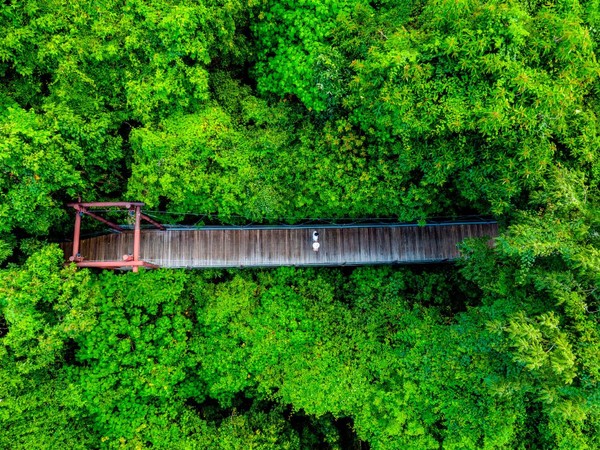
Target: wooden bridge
270,246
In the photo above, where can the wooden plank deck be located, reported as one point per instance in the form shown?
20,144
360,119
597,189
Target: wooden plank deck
214,247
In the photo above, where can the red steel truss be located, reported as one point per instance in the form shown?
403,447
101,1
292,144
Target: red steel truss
129,260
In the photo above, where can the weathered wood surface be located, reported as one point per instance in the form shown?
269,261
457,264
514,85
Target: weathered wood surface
288,246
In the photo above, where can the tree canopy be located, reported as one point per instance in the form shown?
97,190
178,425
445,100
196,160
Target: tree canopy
277,111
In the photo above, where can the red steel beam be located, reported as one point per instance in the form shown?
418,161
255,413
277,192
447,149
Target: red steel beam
152,221
106,204
102,219
116,264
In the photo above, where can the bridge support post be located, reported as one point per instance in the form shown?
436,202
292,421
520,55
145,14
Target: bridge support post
136,236
76,237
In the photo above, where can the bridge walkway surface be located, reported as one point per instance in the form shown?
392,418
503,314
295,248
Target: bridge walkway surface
271,246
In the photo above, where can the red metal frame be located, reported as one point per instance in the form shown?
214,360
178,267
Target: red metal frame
126,205
152,221
133,260
84,210
76,236
116,264
136,237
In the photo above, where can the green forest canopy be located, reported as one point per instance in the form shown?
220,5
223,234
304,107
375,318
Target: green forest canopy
282,110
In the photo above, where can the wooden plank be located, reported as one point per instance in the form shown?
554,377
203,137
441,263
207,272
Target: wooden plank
351,238
287,248
430,247
398,245
331,242
298,243
394,245
381,238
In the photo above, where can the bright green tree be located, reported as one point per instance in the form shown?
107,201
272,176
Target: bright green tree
44,308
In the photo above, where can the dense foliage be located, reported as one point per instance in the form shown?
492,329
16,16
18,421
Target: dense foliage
268,110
